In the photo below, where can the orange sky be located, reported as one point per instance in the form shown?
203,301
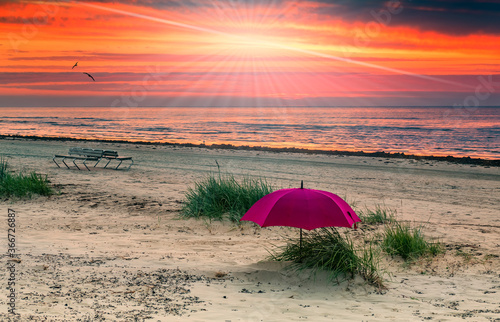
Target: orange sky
242,53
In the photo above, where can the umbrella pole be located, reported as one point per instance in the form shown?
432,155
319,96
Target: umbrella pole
300,243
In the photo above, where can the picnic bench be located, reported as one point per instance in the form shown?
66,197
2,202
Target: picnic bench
91,155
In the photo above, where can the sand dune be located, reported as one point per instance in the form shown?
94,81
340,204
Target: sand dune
110,245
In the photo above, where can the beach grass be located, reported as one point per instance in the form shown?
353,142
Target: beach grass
222,196
380,215
408,242
22,184
3,168
325,249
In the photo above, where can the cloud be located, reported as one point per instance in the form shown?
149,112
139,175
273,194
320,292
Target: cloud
391,99
177,58
54,79
444,16
12,20
196,3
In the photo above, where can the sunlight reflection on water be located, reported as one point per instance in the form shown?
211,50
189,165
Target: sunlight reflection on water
425,131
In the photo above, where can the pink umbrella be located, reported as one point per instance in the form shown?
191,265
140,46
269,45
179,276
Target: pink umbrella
302,208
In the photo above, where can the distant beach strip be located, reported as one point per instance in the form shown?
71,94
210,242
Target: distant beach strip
380,154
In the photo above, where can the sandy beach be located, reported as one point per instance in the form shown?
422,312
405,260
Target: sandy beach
110,246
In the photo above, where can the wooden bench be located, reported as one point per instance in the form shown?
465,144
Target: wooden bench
113,155
84,154
87,154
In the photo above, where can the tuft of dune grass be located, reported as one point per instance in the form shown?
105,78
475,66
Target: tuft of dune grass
325,249
222,196
22,184
408,242
379,215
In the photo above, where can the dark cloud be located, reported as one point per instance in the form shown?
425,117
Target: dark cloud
157,58
429,98
444,16
44,20
172,4
12,20
16,78
196,3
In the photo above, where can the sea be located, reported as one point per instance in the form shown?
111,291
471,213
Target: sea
438,131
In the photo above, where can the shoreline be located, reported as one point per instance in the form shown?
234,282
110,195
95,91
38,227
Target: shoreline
381,154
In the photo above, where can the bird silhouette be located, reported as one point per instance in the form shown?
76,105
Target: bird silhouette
76,64
90,76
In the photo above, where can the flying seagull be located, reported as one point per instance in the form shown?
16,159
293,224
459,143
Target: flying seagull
90,76
76,64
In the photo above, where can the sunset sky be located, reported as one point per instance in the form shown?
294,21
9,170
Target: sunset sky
250,53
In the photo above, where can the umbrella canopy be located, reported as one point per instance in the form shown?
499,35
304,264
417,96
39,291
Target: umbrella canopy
302,208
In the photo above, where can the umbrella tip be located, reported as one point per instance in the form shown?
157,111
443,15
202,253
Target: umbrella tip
301,184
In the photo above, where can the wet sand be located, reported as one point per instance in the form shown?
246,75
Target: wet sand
110,245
